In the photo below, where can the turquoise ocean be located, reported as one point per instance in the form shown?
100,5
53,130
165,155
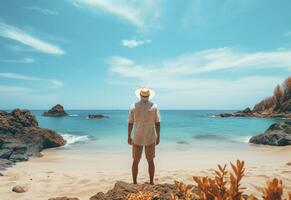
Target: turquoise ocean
180,130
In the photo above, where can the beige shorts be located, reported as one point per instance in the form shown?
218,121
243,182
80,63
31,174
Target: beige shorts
149,151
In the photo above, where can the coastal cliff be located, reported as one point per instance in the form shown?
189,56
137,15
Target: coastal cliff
21,137
277,105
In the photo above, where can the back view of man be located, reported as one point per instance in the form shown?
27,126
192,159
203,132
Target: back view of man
144,116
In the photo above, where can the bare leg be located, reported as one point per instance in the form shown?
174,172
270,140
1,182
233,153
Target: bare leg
151,170
134,170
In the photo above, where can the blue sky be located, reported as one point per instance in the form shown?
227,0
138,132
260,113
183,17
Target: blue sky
93,54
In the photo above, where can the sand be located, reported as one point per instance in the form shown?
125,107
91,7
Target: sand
75,174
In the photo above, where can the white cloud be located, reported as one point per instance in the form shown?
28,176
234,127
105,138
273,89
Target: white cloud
42,10
138,13
22,37
201,62
134,43
22,61
13,90
288,34
182,80
54,83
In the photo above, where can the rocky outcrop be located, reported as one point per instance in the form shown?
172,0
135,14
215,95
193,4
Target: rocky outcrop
278,105
56,111
278,134
122,189
21,137
98,116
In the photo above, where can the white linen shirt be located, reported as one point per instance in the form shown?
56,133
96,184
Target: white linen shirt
144,115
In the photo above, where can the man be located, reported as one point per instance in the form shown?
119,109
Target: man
144,116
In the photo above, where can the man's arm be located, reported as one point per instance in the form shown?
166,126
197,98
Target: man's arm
129,129
158,129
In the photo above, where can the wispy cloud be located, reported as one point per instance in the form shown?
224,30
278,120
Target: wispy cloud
134,43
22,37
183,79
138,13
22,61
42,10
201,62
53,83
288,34
13,90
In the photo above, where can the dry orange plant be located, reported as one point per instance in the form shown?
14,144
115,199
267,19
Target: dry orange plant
224,186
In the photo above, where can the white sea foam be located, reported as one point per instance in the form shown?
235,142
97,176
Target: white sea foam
246,139
73,139
74,115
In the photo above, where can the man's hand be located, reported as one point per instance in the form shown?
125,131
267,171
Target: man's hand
129,141
158,141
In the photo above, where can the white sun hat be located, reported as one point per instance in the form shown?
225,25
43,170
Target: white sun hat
145,91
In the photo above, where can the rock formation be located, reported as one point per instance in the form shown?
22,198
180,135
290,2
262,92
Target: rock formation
122,189
56,111
278,134
21,137
278,105
99,116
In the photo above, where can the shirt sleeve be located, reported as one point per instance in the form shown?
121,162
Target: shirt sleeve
131,114
158,116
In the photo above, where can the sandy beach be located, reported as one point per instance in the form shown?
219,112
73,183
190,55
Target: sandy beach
63,173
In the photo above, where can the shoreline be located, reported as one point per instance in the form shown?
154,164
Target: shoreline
59,173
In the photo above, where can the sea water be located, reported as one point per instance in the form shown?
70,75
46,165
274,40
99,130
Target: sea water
180,130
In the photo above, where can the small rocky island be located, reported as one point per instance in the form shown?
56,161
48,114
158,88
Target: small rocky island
56,111
98,116
21,137
277,106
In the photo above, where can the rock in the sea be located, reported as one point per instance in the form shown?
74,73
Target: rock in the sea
122,189
18,189
225,115
99,116
64,198
278,134
56,111
21,137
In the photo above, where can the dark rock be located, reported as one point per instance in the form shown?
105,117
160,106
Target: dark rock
4,163
278,134
122,189
5,153
182,142
1,174
18,189
225,115
99,116
288,163
20,137
56,111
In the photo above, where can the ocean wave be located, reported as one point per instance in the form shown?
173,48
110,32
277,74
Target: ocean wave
73,115
74,139
246,139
